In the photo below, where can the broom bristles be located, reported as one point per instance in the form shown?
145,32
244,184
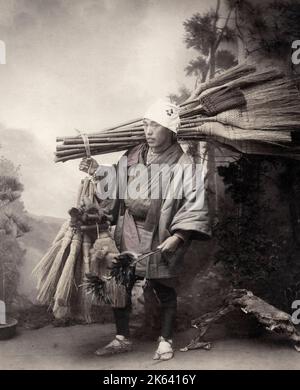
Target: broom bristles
233,133
43,266
272,104
225,77
66,280
42,269
48,288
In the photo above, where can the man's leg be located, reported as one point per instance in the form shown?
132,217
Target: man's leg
168,302
122,320
121,342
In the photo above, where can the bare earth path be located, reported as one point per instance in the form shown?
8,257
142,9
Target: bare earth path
72,348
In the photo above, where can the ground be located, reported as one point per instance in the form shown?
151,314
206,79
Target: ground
72,348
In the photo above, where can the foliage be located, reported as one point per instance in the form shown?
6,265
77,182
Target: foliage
205,34
271,27
255,253
13,224
201,32
181,96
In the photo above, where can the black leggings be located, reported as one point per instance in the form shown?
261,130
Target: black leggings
168,304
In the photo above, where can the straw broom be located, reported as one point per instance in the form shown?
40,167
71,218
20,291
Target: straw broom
48,288
223,97
255,79
225,77
43,267
222,132
217,100
66,281
278,103
272,104
274,108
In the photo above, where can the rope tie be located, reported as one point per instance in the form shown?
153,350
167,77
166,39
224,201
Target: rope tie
86,143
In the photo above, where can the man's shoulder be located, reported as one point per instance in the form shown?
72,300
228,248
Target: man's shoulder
185,159
133,153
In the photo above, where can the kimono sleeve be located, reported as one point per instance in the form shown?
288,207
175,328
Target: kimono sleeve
193,213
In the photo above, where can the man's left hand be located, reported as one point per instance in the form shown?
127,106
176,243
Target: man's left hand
170,244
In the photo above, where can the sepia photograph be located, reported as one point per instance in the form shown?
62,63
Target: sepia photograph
149,187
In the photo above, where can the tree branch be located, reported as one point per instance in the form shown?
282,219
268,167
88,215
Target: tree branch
223,29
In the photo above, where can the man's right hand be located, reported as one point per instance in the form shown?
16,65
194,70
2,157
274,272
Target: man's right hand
88,165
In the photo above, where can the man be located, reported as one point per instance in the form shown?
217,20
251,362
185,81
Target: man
167,221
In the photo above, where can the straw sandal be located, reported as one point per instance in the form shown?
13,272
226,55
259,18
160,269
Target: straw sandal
119,345
165,350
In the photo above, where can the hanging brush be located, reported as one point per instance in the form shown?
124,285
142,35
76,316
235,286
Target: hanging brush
97,287
122,274
123,270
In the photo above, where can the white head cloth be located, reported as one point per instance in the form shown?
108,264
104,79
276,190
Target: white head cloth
165,113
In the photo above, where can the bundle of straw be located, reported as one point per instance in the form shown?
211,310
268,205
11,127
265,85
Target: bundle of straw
56,270
42,269
66,281
48,287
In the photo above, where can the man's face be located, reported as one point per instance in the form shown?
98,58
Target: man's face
156,135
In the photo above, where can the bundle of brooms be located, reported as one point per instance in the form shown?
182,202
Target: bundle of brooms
63,267
241,105
76,256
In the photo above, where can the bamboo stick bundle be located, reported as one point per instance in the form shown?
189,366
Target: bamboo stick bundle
121,125
102,137
94,147
97,152
96,144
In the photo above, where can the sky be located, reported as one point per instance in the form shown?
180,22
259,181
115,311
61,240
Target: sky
82,64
